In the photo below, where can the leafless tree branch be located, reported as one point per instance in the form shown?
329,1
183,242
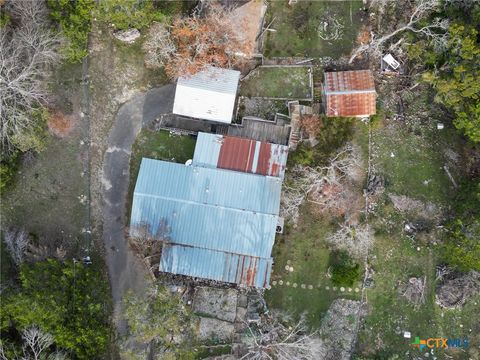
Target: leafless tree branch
26,54
17,242
436,30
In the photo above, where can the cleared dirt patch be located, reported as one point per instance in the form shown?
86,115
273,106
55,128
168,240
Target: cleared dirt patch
60,124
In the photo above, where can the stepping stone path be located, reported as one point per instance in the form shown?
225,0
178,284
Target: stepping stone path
311,287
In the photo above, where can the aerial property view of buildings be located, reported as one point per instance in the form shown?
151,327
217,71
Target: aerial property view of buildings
239,180
217,214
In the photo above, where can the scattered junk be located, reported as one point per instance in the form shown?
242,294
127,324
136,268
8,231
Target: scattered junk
375,185
414,290
456,289
390,66
280,224
390,62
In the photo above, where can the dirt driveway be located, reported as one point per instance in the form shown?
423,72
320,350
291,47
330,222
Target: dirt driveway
125,270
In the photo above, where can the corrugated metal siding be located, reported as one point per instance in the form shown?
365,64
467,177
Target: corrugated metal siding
216,265
344,81
351,104
213,79
208,95
238,214
350,93
240,154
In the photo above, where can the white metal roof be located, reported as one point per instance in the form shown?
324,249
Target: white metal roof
209,95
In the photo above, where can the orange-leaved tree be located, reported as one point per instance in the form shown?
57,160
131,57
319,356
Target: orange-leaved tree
208,39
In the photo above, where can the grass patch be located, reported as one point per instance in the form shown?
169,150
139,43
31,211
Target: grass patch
159,145
278,83
297,28
305,250
411,165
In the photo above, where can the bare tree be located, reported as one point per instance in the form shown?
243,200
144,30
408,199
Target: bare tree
36,344
26,53
277,341
436,30
17,242
158,47
356,240
324,186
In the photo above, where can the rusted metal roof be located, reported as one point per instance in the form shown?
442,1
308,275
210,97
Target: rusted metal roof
216,265
240,154
351,104
350,93
226,219
348,81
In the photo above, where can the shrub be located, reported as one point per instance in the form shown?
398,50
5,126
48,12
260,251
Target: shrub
334,132
8,168
34,137
345,272
125,14
74,18
67,300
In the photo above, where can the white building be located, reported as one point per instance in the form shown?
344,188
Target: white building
209,95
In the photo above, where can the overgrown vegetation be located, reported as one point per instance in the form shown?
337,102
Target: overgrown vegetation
462,241
67,300
312,28
454,69
345,272
74,19
333,133
162,320
126,14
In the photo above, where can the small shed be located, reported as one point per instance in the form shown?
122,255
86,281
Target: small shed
209,95
349,93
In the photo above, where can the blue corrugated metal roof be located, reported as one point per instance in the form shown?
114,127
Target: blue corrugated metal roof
207,209
216,265
207,149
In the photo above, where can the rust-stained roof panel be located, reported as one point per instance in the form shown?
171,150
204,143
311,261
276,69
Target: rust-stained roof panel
345,81
240,154
359,104
216,265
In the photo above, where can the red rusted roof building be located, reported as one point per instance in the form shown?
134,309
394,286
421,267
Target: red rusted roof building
240,154
349,93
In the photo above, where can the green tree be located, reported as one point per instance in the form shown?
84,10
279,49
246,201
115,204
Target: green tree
461,247
456,78
125,14
162,318
67,300
74,18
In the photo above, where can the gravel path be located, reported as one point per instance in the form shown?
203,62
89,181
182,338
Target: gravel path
125,270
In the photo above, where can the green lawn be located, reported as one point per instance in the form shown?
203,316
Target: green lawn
297,28
305,250
278,83
411,165
160,145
